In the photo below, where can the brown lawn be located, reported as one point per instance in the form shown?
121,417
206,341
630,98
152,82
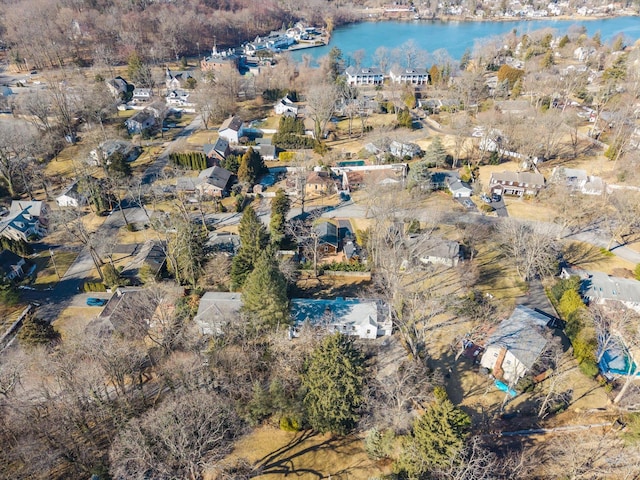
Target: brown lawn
304,455
496,276
46,275
73,320
590,257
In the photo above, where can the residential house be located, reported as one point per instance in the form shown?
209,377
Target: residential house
600,288
382,178
217,151
118,311
327,233
285,105
446,180
71,197
516,183
319,182
225,60
176,80
148,262
178,98
142,121
347,240
364,76
438,251
352,180
142,94
216,310
103,154
25,220
212,182
232,129
266,151
402,150
459,189
414,76
119,87
578,180
516,344
362,318
11,265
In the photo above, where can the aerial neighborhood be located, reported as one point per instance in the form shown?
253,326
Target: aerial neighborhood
274,240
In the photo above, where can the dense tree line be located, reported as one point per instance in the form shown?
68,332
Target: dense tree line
106,33
290,134
190,160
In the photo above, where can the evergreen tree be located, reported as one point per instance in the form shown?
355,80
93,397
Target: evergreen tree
36,331
264,293
404,118
253,240
333,379
437,437
280,206
251,166
119,167
434,75
465,59
436,153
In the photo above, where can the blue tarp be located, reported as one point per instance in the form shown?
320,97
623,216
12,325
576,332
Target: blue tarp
505,388
615,361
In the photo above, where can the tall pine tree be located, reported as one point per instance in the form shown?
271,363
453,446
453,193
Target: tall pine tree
264,294
251,166
437,438
280,206
253,240
333,379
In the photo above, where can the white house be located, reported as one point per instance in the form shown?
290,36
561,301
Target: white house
285,105
515,345
364,76
232,129
415,76
178,98
107,149
142,94
71,197
442,252
365,319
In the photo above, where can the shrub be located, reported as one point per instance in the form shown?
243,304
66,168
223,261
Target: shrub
131,227
440,393
379,445
290,423
286,156
606,253
36,331
589,368
636,272
94,287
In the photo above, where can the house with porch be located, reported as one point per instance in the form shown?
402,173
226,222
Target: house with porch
364,76
142,121
176,80
516,344
516,183
286,105
414,76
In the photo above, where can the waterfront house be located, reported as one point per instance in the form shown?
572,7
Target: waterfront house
364,76
414,76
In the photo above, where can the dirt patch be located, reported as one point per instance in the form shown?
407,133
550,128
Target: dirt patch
278,454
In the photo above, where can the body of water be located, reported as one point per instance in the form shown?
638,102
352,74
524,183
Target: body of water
454,37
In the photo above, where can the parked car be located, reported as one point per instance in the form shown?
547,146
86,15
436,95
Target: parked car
485,198
495,197
96,302
468,203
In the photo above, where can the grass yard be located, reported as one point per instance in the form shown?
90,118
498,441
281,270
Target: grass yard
328,287
528,210
304,455
496,276
73,320
201,137
46,272
64,164
590,257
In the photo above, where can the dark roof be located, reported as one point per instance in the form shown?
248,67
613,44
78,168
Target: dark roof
232,123
216,176
345,229
221,147
327,233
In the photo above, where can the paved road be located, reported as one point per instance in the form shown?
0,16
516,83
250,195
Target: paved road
155,169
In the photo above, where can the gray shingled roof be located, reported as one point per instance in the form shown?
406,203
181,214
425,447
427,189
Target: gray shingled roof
521,335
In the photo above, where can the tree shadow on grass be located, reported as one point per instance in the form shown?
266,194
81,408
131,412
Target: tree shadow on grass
281,461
